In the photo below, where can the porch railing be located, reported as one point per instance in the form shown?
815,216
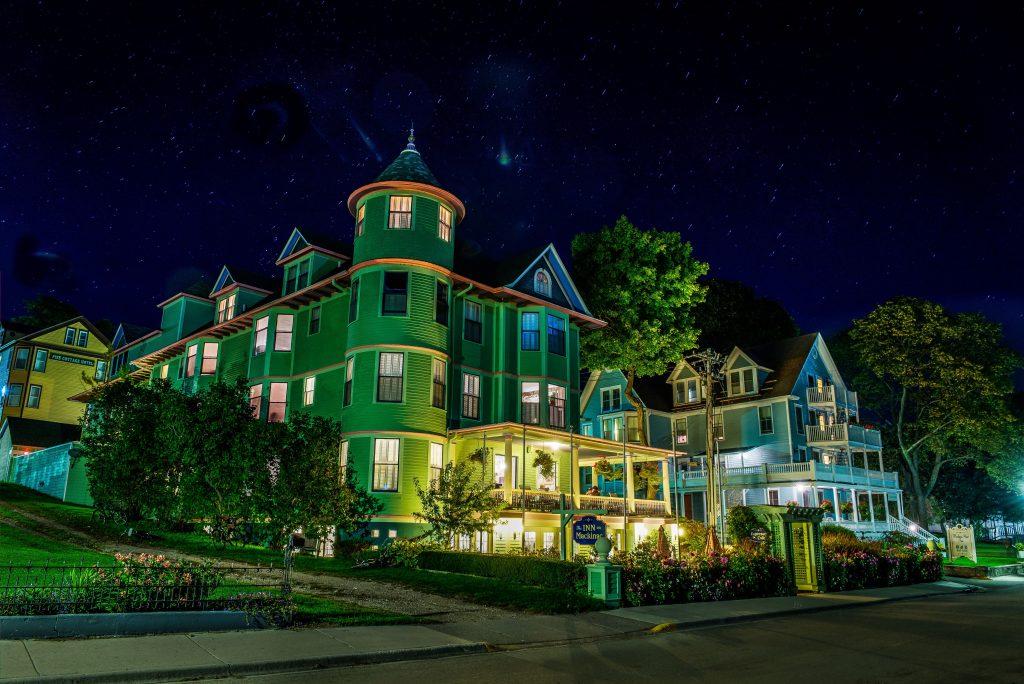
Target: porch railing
843,432
781,473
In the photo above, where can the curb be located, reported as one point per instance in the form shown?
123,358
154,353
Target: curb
72,625
269,667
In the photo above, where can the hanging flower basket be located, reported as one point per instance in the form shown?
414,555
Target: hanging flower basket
545,463
846,508
827,506
479,455
605,469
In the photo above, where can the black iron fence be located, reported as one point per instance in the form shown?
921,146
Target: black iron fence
144,583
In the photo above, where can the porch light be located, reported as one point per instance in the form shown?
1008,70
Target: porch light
913,527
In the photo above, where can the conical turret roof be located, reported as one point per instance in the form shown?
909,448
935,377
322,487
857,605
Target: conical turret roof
409,166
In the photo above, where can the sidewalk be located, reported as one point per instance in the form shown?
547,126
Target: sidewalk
174,657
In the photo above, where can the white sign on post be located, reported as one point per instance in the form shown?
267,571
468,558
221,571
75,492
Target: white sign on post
960,542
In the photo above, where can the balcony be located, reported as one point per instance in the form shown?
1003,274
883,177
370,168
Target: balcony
840,434
829,397
546,502
790,473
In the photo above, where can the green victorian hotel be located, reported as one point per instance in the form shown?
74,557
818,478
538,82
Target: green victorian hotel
423,356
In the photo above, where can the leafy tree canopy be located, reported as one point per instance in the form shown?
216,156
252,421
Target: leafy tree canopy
939,382
733,314
44,311
455,505
644,283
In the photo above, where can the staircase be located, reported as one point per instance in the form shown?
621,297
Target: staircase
918,532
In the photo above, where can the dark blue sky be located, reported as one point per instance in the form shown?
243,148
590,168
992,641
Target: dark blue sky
831,156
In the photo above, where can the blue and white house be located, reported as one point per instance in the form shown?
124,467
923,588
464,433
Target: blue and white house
788,429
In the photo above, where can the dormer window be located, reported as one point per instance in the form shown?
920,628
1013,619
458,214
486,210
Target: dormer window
741,382
226,308
444,223
687,391
400,216
611,399
542,283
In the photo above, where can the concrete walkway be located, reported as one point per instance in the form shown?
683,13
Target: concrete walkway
176,657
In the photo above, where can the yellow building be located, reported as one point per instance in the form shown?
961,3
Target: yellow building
40,370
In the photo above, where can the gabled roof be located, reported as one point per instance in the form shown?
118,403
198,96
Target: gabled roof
244,278
96,332
783,359
304,240
127,333
39,433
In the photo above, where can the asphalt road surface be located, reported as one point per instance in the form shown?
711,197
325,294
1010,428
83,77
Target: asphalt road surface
963,638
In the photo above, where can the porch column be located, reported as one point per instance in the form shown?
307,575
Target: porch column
871,501
856,505
899,505
627,483
814,495
574,474
881,466
885,505
507,487
666,486
835,504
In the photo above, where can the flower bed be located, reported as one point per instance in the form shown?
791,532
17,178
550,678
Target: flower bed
649,580
856,564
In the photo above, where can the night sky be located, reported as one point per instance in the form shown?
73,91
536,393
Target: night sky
830,156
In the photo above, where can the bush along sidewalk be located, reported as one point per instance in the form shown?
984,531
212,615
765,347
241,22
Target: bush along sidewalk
852,563
650,580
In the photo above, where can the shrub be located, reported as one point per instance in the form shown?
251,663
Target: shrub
650,581
837,531
856,564
897,538
741,522
694,535
405,553
518,569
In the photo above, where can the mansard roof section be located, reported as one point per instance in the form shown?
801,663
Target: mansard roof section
302,241
252,280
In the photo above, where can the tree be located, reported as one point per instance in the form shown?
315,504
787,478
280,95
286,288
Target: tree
939,382
311,488
127,465
453,505
732,314
967,493
644,284
44,311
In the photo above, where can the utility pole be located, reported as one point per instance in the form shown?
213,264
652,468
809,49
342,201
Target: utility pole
710,365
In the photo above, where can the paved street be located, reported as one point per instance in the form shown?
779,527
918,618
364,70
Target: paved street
963,638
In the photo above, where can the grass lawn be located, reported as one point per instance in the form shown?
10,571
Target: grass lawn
18,547
482,590
989,555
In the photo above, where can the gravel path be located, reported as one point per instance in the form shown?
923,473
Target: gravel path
363,592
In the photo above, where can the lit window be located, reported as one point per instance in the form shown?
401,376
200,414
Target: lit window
395,294
34,393
14,395
343,461
353,301
163,371
440,386
283,333
21,358
69,336
314,320
556,335
718,425
531,332
556,406
472,327
255,398
349,370
587,430
400,216
209,366
549,540
260,336
764,416
444,223
308,389
83,338
392,534
441,303
530,541
385,465
360,219
542,283
226,308
612,428
101,370
681,436
632,429
278,402
611,399
190,361
531,403
436,462
686,391
470,396
390,377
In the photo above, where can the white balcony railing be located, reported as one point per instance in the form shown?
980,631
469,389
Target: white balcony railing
821,395
792,473
843,433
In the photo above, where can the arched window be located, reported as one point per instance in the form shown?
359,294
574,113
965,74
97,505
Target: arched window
542,283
